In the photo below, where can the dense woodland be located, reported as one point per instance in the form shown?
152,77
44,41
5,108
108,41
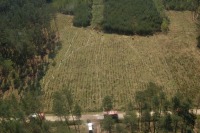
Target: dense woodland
82,13
26,40
123,17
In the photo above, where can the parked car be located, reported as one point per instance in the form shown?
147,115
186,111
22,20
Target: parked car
34,116
111,113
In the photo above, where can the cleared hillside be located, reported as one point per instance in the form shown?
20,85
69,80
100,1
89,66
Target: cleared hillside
93,64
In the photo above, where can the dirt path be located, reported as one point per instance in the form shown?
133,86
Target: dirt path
95,118
98,116
85,117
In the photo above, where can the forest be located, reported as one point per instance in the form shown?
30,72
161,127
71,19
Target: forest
123,17
26,40
82,13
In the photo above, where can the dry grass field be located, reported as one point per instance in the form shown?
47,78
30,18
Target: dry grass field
94,64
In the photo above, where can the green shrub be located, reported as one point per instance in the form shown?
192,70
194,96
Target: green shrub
54,63
165,25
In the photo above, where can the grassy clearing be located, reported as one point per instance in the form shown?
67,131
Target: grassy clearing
94,64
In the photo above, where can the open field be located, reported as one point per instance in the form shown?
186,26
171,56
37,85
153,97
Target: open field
93,64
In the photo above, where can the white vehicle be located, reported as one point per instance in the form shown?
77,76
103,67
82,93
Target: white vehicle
40,116
90,126
34,115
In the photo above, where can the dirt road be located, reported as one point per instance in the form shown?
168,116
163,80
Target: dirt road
93,117
84,117
98,116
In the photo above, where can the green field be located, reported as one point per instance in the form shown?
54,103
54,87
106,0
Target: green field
93,64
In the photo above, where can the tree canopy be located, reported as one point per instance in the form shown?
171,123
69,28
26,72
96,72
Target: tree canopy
131,16
82,13
25,34
107,103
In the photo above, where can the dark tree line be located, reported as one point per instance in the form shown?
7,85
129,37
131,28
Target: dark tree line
131,17
181,5
26,38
